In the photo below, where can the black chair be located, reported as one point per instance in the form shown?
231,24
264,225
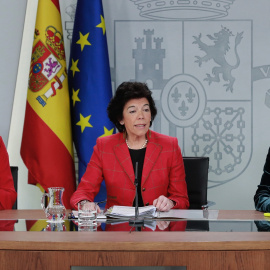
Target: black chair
14,172
196,169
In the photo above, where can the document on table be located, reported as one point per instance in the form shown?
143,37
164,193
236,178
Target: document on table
125,212
117,211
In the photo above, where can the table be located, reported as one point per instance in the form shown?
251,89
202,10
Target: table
195,250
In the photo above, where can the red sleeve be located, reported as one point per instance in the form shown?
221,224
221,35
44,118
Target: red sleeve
7,225
90,182
8,194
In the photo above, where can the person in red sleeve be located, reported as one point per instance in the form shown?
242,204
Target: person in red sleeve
8,194
155,157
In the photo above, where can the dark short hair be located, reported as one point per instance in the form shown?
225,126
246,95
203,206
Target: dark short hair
125,92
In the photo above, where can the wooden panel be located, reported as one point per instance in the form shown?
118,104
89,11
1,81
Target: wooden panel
196,250
139,241
194,260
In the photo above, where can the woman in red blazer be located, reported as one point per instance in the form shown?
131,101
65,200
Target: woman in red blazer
157,157
8,194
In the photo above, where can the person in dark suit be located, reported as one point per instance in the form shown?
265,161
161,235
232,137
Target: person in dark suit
8,194
161,173
262,195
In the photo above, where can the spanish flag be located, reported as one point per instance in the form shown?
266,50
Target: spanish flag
46,148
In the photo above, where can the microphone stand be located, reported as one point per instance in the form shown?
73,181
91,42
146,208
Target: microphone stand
136,221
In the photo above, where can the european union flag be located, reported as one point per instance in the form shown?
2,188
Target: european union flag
89,82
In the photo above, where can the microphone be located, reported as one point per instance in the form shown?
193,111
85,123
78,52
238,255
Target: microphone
136,221
136,182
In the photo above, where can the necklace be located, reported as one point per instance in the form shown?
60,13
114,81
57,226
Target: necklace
145,143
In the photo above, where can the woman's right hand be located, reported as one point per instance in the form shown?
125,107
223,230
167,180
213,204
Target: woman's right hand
91,206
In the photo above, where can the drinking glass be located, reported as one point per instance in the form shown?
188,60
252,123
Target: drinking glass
87,217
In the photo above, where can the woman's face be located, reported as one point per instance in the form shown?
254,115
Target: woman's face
136,117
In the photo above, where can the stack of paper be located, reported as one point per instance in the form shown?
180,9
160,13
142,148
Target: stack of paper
128,212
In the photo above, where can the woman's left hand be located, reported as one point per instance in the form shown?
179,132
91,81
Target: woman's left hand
164,204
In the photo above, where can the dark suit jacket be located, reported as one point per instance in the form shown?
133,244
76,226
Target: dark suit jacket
262,195
163,172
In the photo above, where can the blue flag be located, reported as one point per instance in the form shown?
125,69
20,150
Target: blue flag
89,82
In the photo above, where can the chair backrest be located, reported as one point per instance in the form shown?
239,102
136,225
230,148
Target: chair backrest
196,169
14,172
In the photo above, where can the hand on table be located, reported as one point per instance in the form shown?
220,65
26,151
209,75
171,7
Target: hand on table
91,206
163,204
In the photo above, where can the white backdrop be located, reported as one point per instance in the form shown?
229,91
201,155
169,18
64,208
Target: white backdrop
207,63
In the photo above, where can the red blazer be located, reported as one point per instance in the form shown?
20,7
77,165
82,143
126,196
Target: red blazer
163,172
8,194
